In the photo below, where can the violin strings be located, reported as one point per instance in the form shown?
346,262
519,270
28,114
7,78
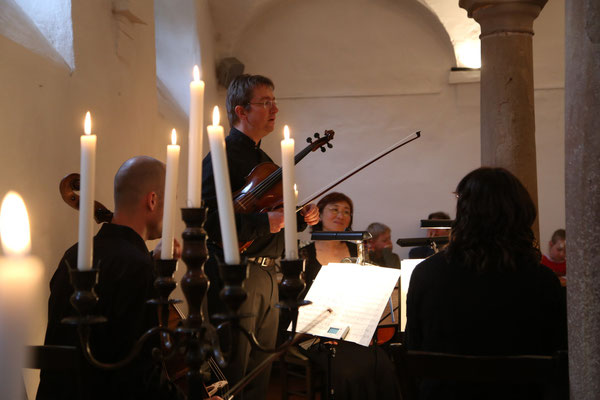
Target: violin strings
267,183
218,370
261,188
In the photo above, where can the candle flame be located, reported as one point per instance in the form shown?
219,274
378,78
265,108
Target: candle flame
14,225
196,73
216,117
286,132
87,124
295,188
173,136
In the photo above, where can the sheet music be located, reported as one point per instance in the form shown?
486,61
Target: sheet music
356,294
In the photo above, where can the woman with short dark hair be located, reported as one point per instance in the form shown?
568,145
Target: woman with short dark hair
336,210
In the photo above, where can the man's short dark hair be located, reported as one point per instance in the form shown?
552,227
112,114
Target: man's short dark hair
438,215
559,234
239,93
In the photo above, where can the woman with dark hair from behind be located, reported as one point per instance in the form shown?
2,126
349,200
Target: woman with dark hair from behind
486,293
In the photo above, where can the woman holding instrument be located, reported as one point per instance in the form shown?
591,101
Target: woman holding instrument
357,372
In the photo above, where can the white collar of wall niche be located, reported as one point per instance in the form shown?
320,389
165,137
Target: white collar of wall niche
42,26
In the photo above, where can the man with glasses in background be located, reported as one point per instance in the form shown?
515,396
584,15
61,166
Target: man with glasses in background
251,109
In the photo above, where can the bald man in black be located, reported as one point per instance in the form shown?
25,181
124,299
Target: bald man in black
125,283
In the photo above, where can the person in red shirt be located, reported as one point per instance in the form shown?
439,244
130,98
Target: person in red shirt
556,259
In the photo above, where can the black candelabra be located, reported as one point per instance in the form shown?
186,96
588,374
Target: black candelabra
195,339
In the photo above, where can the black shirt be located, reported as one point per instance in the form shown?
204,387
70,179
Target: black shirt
125,282
313,266
243,155
451,309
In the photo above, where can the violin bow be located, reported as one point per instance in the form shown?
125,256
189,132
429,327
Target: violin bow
384,153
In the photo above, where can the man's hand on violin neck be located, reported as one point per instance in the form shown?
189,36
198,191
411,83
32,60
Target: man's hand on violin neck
311,214
276,220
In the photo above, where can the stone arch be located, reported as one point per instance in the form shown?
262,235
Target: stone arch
361,48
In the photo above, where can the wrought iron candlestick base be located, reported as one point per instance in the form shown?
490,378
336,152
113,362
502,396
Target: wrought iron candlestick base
290,288
194,338
84,298
194,284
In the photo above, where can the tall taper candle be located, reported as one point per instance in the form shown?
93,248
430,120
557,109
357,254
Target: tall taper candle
20,285
86,196
195,140
170,196
289,195
218,156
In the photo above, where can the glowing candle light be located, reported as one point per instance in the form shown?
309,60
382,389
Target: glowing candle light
195,140
20,284
86,195
170,196
289,195
218,156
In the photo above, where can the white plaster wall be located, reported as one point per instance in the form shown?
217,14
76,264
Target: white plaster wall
375,72
53,19
176,53
42,105
549,78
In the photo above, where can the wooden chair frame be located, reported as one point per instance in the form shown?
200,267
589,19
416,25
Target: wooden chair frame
551,371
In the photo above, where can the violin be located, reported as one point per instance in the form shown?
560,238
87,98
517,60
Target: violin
263,190
175,366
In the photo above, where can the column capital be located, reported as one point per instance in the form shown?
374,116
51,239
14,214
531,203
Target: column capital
503,16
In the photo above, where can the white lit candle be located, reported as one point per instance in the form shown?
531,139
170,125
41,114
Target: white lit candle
195,140
170,196
289,195
86,196
20,284
218,156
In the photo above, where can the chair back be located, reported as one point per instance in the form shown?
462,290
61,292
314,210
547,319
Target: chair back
550,372
60,359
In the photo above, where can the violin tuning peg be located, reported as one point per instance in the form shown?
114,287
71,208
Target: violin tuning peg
309,140
323,149
317,135
329,145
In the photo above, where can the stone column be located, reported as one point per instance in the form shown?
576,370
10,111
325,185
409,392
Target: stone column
507,105
582,184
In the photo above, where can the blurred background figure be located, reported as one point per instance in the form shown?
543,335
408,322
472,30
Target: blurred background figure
556,259
380,246
426,251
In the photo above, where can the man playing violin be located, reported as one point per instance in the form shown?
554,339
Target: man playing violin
125,283
251,108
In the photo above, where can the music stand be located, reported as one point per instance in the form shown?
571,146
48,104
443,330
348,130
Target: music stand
357,295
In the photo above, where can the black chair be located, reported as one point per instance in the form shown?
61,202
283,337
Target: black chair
60,359
299,377
549,372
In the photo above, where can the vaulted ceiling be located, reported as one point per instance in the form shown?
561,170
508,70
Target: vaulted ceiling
233,17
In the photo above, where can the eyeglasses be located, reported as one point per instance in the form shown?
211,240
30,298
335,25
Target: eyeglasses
267,104
336,211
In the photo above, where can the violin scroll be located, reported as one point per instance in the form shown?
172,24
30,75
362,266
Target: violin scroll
320,142
68,187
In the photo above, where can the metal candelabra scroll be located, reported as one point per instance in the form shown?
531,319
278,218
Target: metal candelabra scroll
195,338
